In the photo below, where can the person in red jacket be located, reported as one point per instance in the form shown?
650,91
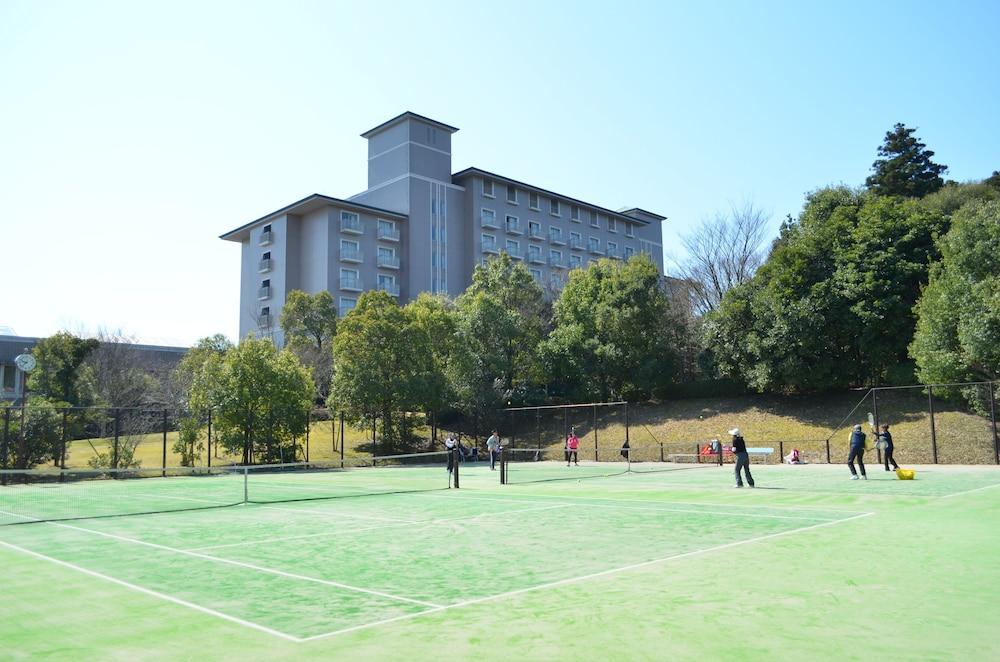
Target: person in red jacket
572,446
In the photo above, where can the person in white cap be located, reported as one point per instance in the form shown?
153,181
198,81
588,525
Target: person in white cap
742,457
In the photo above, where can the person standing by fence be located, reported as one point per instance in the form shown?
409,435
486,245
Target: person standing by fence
857,452
572,446
886,441
742,457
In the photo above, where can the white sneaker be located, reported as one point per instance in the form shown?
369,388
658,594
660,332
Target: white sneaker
854,477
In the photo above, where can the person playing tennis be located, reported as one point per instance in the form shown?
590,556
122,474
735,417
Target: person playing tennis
857,452
742,457
493,445
886,442
572,446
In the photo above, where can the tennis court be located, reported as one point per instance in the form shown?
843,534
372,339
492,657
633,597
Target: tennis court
390,562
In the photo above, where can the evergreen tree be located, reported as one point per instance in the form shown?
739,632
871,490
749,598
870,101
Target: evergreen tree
904,166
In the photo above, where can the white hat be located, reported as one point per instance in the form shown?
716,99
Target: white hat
735,432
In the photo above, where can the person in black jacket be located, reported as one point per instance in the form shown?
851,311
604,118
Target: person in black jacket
857,442
886,440
742,457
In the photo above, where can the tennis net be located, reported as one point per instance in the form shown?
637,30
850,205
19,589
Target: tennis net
51,495
537,465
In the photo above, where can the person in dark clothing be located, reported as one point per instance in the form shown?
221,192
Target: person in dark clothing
625,451
857,452
742,457
886,440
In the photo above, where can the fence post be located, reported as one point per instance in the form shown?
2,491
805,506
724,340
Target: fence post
455,461
308,425
209,436
661,452
164,465
930,404
3,445
781,452
595,433
341,440
878,451
828,451
62,450
626,429
993,417
114,454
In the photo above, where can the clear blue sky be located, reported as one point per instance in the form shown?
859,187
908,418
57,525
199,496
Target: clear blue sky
133,133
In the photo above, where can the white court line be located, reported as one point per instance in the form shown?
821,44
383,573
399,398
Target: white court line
155,594
371,528
326,513
662,510
975,489
250,566
582,578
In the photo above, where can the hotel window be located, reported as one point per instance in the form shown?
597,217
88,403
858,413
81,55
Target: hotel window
555,257
347,305
265,312
387,283
350,250
574,261
350,221
533,201
489,242
555,234
513,248
534,229
511,195
575,239
574,214
488,188
536,274
534,252
629,252
593,244
513,224
612,249
593,220
488,218
629,232
387,230
612,224
554,207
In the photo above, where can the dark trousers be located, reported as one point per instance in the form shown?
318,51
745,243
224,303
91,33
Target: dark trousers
571,454
451,461
889,459
857,452
743,462
493,459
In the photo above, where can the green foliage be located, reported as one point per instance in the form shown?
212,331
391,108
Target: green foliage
309,323
993,180
61,374
260,397
904,166
41,440
434,317
189,445
958,330
611,332
382,360
832,307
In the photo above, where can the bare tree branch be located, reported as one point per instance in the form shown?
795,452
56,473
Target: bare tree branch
723,253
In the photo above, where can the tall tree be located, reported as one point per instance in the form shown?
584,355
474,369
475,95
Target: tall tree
611,330
61,375
958,330
309,323
382,359
434,317
121,377
261,398
904,166
722,253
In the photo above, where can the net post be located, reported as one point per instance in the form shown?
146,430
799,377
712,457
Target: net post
456,457
246,487
626,425
722,453
163,465
930,405
308,425
503,466
993,418
828,451
341,440
595,433
781,452
878,451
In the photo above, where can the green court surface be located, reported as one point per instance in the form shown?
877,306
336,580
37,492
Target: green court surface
562,563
